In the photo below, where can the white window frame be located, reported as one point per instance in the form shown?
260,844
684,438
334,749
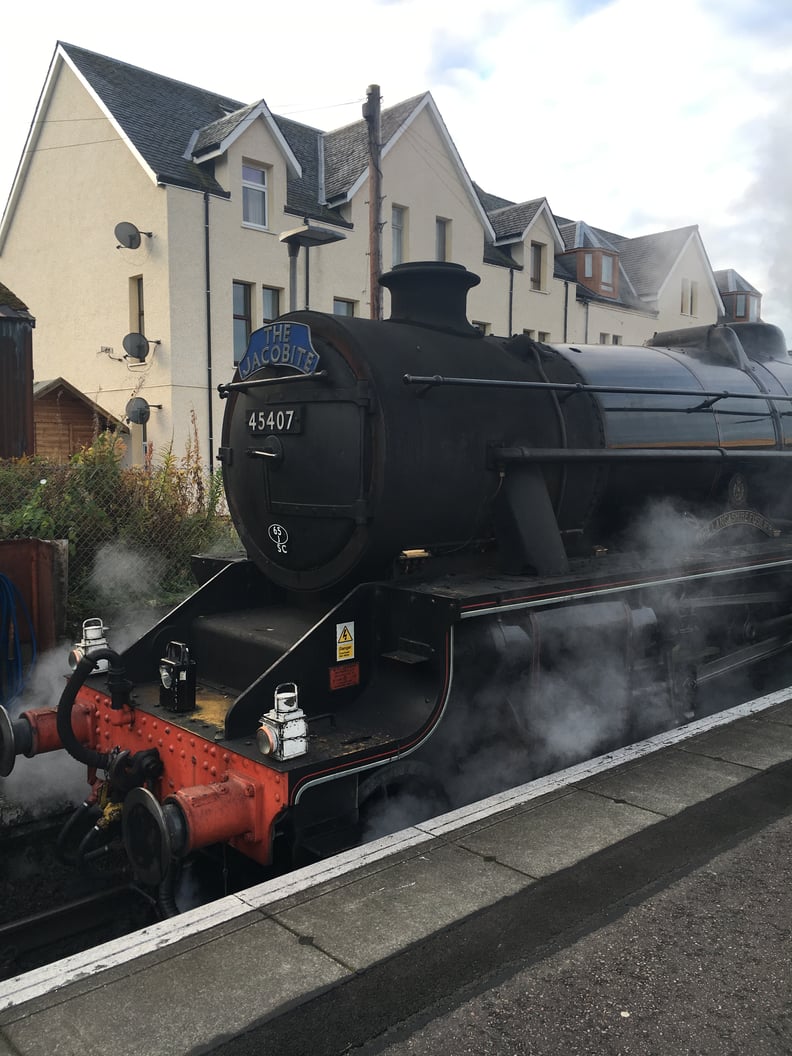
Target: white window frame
606,263
442,238
276,290
259,187
398,234
245,316
537,265
340,306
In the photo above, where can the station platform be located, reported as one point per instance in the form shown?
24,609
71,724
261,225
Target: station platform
531,922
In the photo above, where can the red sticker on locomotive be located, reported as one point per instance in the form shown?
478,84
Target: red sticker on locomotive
344,675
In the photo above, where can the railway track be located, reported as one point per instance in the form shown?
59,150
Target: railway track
71,927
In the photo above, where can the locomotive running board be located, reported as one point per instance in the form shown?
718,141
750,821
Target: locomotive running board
556,593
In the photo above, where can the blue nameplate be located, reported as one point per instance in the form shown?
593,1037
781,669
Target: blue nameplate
280,345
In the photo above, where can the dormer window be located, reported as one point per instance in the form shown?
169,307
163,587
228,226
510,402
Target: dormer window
254,195
606,279
746,307
598,271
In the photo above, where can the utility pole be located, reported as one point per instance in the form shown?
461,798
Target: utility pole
371,113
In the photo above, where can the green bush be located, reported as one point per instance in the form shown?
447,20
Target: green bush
148,519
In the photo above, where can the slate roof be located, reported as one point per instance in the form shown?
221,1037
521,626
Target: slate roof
491,201
161,117
730,281
346,149
211,136
158,114
11,307
577,234
169,122
511,220
649,258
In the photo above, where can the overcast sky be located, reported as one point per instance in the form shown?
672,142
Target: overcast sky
631,115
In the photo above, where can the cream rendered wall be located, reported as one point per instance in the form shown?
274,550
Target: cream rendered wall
421,175
61,257
237,253
539,310
692,265
633,328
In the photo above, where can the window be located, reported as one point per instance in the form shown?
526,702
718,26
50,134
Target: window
479,325
689,304
616,339
588,265
270,303
604,339
343,307
398,233
241,319
537,265
739,306
254,195
530,333
137,315
607,273
543,335
442,232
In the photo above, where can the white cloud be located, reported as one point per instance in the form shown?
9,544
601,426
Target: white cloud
633,116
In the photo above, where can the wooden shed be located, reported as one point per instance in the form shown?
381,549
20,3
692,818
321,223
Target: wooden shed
66,420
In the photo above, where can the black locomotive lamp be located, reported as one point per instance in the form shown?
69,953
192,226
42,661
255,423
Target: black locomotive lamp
177,678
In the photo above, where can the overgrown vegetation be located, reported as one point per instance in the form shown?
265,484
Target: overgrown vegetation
131,531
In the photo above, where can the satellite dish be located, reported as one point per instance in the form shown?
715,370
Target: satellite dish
128,235
138,411
136,346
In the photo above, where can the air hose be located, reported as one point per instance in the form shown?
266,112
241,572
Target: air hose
119,689
13,675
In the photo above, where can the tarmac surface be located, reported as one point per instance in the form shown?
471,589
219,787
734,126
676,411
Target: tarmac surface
636,904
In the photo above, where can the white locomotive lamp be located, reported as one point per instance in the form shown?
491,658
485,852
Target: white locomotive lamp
283,733
93,639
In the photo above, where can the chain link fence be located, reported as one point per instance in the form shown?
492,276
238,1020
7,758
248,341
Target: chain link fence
130,531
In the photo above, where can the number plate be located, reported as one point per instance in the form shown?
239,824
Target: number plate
276,420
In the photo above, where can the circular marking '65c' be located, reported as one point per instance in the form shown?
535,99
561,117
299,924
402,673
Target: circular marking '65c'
279,536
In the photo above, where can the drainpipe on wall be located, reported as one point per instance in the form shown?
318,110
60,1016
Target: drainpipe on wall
511,299
207,272
585,342
566,309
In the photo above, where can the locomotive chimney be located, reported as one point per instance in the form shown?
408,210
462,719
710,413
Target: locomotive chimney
431,293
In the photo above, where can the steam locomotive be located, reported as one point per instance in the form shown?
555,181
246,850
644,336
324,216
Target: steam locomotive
458,548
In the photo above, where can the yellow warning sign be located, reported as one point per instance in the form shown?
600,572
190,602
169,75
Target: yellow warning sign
345,641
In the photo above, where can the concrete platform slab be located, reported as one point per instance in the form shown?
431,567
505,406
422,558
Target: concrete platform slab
232,980
566,829
673,781
751,742
403,905
782,713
